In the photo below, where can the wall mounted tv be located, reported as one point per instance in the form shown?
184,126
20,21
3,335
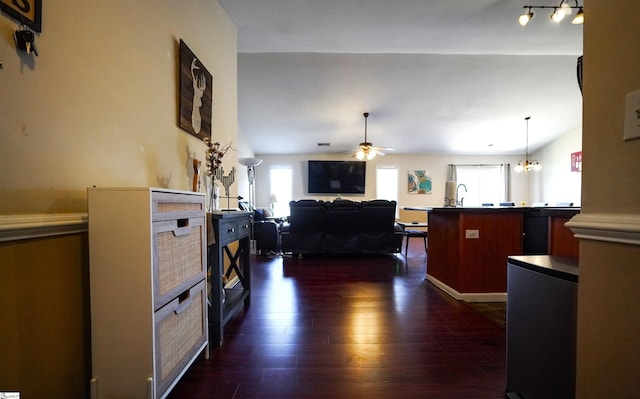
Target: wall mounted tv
336,177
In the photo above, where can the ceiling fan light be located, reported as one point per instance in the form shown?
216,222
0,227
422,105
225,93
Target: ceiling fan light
370,155
524,19
579,18
360,155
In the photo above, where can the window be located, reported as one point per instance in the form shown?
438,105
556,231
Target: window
281,189
483,183
387,183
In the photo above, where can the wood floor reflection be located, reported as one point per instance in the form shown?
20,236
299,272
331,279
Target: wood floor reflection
351,328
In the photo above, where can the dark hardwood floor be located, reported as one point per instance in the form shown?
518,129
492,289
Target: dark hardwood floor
351,328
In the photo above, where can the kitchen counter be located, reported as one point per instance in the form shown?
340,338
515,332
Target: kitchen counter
469,246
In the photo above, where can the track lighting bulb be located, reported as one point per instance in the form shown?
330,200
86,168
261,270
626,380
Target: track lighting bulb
559,12
566,8
557,15
579,18
525,18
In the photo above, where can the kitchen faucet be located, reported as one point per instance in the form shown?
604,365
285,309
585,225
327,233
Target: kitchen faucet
459,202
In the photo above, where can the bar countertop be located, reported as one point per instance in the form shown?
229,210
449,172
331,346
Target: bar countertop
541,211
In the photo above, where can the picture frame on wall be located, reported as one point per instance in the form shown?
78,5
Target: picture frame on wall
196,94
25,12
419,182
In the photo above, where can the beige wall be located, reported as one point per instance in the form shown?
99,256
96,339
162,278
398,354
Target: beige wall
44,314
99,105
609,297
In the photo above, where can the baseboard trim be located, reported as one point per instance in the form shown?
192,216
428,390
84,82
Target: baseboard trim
22,227
468,296
617,228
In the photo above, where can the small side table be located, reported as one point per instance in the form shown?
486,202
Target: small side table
227,227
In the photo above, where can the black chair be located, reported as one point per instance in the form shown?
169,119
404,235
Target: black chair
265,232
266,235
412,233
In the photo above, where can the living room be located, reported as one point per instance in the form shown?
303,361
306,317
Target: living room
98,106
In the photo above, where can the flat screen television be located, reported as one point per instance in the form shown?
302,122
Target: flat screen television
336,177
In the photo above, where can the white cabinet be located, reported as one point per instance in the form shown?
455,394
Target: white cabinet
147,253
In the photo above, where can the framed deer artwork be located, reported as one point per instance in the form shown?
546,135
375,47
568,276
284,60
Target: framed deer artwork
196,94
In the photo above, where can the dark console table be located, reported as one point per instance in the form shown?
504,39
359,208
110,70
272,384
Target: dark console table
230,261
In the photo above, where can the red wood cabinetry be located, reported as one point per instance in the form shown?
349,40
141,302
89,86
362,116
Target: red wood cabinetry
469,247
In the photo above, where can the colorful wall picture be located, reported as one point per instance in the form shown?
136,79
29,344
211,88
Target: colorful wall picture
576,161
196,94
419,182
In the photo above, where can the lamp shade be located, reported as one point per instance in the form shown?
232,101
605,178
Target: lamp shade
250,161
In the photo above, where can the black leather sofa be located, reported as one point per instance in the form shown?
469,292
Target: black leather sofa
341,227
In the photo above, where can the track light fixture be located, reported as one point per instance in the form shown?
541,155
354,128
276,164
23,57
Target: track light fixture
559,12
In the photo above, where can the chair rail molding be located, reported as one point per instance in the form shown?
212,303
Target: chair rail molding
609,227
22,227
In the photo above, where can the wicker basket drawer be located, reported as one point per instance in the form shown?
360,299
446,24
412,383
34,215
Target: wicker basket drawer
181,332
172,205
178,257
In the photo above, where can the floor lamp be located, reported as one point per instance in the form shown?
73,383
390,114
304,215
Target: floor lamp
251,163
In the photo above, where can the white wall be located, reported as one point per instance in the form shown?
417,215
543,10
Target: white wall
99,105
556,182
435,164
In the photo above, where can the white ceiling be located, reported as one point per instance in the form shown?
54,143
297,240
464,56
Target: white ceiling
436,76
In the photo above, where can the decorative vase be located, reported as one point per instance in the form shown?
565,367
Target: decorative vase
213,194
216,197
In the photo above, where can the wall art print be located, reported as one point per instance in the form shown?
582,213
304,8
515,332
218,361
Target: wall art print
419,182
196,94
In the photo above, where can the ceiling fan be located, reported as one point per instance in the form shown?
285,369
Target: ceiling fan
366,150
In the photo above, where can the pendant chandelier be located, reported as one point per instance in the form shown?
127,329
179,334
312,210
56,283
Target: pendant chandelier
527,165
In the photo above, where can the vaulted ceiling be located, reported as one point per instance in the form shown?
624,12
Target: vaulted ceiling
436,76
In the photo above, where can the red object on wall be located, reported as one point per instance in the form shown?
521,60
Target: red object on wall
576,161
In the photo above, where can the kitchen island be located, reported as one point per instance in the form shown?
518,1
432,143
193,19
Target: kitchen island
469,247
